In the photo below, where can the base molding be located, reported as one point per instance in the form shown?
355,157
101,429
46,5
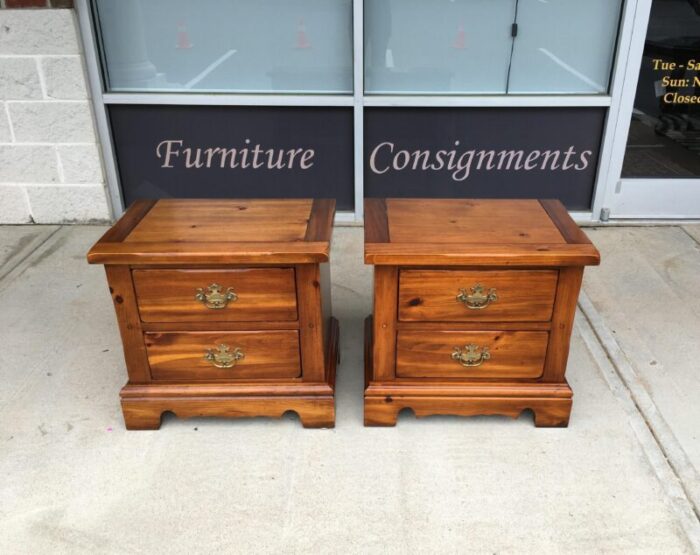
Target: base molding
146,413
143,405
550,402
549,413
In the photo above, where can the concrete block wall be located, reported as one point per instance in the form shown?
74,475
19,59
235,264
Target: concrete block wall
50,162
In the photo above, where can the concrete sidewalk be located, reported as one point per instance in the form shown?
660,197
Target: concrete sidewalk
621,478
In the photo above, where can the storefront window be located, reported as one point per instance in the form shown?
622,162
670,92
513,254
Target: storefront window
564,46
281,77
489,46
289,46
419,46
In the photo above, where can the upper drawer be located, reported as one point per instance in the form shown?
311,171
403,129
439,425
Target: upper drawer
253,294
479,296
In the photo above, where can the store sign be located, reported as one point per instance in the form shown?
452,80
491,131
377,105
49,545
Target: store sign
483,153
234,152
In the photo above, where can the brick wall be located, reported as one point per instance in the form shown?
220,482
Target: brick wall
50,165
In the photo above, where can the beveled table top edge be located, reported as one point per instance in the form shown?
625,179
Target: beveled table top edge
314,247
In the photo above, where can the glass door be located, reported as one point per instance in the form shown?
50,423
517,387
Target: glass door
661,170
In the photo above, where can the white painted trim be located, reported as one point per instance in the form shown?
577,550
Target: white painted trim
358,52
646,222
606,168
208,99
345,217
619,125
650,198
488,101
581,217
232,99
104,133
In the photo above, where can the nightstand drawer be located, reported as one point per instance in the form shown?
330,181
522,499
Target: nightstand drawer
478,296
223,355
237,295
478,354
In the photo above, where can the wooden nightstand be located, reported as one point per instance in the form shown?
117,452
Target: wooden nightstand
474,303
224,308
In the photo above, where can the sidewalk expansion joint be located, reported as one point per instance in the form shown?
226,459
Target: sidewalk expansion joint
690,235
668,460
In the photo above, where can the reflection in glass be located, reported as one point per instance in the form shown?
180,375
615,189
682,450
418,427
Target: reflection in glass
564,46
433,46
227,45
664,137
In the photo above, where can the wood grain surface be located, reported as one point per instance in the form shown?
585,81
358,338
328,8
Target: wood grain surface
431,295
476,221
376,223
514,354
548,412
273,254
180,356
263,294
219,232
384,400
465,254
121,288
386,282
314,403
223,220
568,289
146,414
311,325
470,232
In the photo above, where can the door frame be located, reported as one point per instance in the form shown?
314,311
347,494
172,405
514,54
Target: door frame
639,198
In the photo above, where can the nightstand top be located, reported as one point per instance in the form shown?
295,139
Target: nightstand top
471,232
219,231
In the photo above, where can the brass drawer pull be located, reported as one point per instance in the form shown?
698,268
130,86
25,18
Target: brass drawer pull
477,299
214,298
472,355
222,357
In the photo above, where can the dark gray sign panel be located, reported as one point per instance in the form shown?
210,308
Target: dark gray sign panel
234,152
484,153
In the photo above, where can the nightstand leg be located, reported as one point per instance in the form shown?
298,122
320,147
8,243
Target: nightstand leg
141,417
318,416
553,414
380,412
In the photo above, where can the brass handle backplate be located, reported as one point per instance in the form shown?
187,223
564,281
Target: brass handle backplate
213,297
223,357
472,355
477,298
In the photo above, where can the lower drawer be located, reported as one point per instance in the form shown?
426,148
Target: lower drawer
223,355
472,354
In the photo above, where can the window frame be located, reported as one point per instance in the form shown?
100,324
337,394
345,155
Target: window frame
357,101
